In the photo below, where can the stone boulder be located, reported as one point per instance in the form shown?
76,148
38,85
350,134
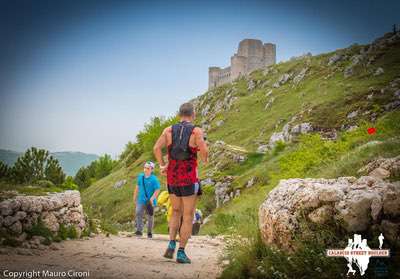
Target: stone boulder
300,76
282,80
335,58
223,190
289,131
382,167
358,205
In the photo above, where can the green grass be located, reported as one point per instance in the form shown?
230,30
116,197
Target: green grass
33,190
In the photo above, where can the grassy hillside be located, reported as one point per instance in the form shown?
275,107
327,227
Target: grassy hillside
247,112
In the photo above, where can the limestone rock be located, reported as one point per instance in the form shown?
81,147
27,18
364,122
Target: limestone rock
263,148
5,208
358,204
391,230
352,114
119,184
300,76
50,221
282,80
16,228
288,132
251,182
219,123
379,71
382,167
223,155
335,58
222,189
269,103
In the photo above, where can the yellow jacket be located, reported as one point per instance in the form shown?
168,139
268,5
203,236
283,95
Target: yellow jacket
163,200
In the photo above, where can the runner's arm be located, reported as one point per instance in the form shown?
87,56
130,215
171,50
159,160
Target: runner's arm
160,143
201,144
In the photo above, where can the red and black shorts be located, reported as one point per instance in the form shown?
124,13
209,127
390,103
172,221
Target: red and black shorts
185,191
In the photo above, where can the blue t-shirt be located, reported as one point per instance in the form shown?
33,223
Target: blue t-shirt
152,184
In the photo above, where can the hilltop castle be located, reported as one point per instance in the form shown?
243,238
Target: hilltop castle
251,55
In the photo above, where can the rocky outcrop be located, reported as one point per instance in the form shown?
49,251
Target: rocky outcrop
19,214
300,76
223,191
335,58
289,131
358,205
223,155
382,167
282,80
119,184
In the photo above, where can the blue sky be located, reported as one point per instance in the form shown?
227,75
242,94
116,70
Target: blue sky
86,75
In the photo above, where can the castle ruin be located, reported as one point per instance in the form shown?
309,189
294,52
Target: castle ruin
251,55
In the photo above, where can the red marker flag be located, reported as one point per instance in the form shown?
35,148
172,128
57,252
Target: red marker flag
371,130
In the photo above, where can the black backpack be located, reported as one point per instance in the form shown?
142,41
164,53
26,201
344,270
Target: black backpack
180,140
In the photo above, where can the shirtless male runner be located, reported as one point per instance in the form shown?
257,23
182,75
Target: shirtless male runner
183,140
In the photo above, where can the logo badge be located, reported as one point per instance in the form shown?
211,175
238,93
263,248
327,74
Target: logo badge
359,253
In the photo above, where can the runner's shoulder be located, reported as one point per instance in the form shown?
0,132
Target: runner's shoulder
197,130
167,130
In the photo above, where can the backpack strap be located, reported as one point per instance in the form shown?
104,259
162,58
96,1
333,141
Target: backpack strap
181,133
144,188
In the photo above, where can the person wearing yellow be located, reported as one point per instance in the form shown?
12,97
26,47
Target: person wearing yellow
163,200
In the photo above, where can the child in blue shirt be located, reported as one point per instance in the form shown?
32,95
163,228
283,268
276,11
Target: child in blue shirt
147,189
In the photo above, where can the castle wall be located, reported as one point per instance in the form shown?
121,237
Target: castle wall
251,55
238,66
218,76
269,54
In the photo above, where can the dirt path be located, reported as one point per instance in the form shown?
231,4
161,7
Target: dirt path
117,257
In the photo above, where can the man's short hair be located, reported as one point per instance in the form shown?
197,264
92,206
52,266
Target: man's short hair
186,109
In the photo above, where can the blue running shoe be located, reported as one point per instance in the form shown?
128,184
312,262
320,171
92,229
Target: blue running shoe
182,258
169,253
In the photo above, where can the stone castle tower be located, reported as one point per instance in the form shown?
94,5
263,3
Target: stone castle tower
252,54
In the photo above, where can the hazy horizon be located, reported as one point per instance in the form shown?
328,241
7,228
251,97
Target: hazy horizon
85,77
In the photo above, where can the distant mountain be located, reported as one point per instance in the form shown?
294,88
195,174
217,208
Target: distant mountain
69,161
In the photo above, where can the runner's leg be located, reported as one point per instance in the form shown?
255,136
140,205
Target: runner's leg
189,205
174,222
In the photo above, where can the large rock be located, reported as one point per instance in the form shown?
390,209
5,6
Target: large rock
223,190
356,204
289,131
335,58
382,167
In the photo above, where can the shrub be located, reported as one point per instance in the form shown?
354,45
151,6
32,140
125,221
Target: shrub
279,147
65,232
44,183
69,184
40,229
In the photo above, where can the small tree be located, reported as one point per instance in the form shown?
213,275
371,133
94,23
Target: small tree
103,166
53,171
37,164
69,184
5,171
82,178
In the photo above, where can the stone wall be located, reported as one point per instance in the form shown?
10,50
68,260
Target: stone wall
19,214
